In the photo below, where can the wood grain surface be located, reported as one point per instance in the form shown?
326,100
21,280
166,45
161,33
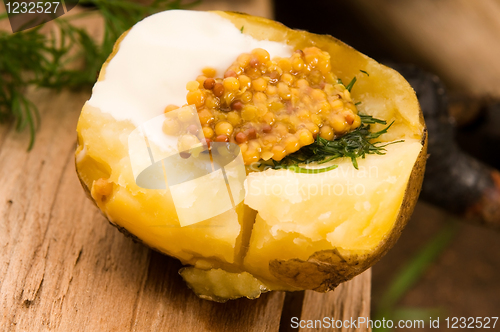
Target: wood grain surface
63,267
350,300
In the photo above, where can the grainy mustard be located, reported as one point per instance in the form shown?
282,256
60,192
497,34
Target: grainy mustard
272,108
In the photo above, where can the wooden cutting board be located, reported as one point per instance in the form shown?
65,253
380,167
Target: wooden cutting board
64,268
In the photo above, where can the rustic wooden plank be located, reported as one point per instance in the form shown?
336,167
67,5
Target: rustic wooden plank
184,311
55,238
347,302
457,39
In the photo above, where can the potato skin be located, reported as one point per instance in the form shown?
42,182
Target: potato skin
324,270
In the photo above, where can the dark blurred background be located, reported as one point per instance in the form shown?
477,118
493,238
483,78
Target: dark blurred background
337,18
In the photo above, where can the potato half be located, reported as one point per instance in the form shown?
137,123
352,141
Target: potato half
292,231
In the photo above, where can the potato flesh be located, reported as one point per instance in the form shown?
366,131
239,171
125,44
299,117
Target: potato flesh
148,214
287,226
344,208
219,285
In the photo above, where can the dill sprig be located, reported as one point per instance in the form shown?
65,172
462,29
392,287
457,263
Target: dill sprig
348,86
70,58
355,144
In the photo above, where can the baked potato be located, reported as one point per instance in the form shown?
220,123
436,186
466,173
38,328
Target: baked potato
323,227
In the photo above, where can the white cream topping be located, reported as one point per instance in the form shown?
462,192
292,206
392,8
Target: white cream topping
162,53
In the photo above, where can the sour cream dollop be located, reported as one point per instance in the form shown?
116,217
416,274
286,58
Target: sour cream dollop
161,53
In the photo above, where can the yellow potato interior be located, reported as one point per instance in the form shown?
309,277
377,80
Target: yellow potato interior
347,209
148,214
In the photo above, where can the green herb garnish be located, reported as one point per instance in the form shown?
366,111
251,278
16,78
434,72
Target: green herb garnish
348,86
351,84
298,169
242,27
364,72
355,144
368,119
68,58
